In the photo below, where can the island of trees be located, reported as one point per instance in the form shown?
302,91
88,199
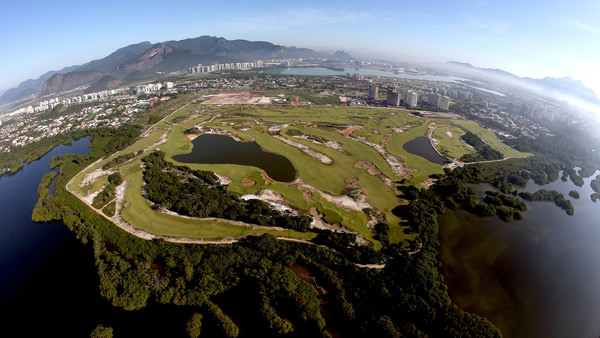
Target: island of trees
406,298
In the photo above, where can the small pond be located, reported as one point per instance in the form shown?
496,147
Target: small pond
422,147
218,149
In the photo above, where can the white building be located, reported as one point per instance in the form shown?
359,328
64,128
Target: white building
410,98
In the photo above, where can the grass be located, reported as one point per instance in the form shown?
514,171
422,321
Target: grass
490,138
328,178
141,215
424,167
451,146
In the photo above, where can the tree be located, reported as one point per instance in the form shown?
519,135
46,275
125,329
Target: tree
194,325
102,331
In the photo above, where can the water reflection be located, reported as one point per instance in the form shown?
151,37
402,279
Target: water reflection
218,149
421,146
533,278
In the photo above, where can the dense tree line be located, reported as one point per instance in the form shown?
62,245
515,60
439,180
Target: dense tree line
198,193
108,192
194,325
550,196
19,156
595,184
484,151
118,160
454,194
46,209
406,298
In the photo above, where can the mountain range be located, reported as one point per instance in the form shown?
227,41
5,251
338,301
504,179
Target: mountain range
143,61
164,57
562,88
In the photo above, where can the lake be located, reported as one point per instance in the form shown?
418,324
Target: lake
322,71
537,277
421,146
49,284
219,149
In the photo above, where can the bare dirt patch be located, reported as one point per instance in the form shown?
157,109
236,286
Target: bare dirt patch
372,170
270,195
428,183
370,167
239,98
307,195
94,176
191,137
348,131
319,223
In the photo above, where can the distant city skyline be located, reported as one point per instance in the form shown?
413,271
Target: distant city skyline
528,38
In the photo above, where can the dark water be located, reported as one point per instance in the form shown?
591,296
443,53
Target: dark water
49,284
218,149
538,277
422,147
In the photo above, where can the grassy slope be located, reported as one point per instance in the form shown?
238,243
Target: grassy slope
141,216
424,167
328,178
452,146
490,138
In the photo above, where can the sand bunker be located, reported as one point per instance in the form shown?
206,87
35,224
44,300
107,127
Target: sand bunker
248,182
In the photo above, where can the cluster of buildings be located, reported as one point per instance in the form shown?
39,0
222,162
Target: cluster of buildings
200,69
153,87
537,112
50,104
394,97
111,110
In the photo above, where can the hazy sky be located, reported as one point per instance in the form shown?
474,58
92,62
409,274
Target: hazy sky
528,38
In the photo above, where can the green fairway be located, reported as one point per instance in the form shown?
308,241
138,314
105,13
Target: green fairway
450,144
345,126
419,167
490,138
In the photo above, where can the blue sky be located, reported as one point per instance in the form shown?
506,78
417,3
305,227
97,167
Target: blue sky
528,38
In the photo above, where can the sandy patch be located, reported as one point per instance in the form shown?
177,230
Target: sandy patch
343,201
370,167
90,198
277,128
449,134
307,195
372,170
270,195
428,183
348,131
224,180
266,177
191,137
329,144
308,151
274,200
238,97
94,176
319,223
248,182
395,162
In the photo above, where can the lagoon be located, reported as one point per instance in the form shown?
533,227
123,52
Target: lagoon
537,277
219,149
